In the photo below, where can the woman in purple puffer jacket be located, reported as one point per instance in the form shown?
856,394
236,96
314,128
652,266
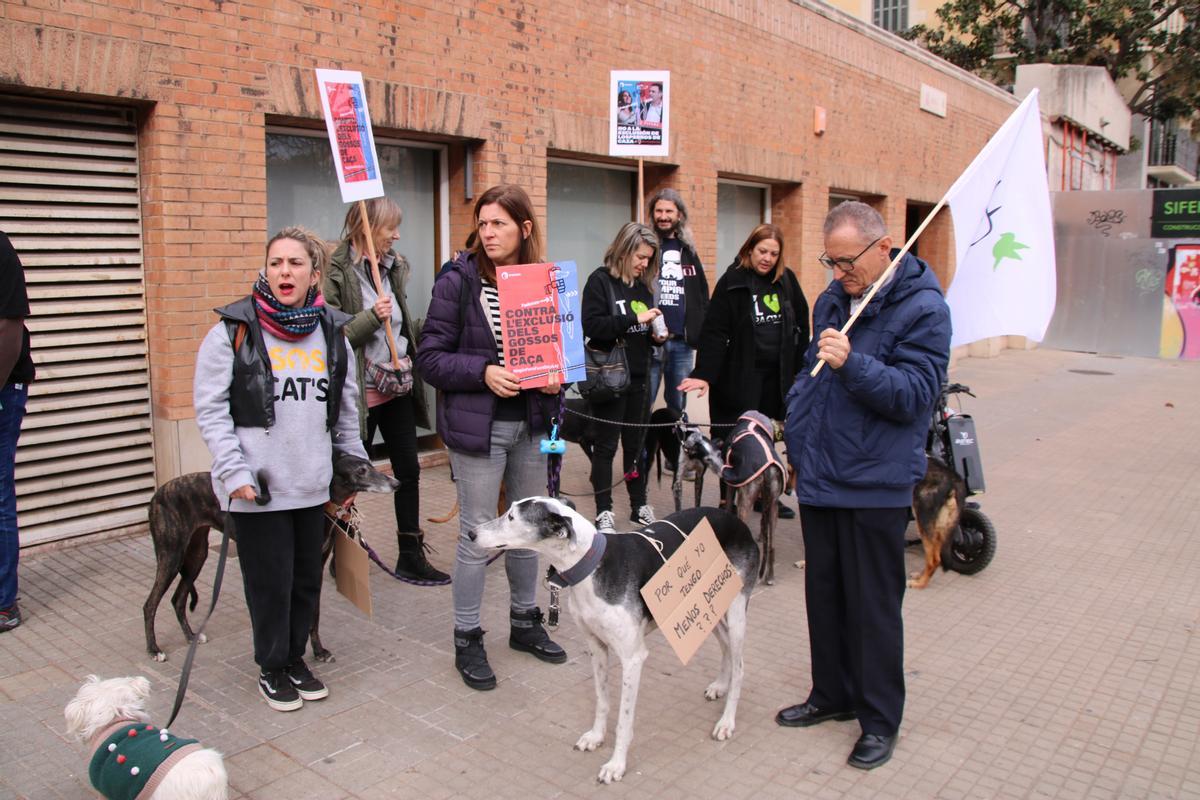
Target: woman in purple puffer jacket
489,424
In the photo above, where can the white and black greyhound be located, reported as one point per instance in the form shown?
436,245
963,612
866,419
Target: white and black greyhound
605,574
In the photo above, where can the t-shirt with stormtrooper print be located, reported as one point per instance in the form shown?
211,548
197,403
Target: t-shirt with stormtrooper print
670,291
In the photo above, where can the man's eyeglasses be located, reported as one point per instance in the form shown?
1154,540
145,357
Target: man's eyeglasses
846,265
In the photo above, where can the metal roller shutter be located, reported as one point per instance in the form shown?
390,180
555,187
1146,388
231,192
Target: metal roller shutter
69,202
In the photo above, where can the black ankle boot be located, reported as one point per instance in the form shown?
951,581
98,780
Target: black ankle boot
470,659
412,565
528,636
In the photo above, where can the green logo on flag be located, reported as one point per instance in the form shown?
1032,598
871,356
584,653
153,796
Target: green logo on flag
771,301
1007,246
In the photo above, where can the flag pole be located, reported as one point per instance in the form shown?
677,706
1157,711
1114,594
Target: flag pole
641,200
883,278
387,323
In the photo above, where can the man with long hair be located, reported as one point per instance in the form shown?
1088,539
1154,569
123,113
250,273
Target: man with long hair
681,291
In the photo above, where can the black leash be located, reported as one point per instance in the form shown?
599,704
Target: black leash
261,499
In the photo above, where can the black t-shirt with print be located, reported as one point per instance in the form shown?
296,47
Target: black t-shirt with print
671,297
634,300
766,304
14,304
607,318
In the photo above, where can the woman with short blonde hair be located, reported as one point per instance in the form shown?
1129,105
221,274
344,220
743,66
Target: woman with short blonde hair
618,307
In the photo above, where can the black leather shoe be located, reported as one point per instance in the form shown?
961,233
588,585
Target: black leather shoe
806,714
872,750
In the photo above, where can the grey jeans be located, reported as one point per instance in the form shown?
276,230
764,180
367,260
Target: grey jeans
514,458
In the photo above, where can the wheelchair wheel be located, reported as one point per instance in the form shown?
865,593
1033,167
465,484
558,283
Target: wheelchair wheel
973,544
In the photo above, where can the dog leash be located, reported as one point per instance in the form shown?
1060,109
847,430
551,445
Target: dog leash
619,424
262,498
351,525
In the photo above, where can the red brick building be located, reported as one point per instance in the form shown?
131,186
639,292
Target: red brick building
146,147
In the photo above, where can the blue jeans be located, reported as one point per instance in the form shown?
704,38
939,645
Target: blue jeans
679,359
516,459
12,398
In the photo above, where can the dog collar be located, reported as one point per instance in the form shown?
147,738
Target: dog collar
582,568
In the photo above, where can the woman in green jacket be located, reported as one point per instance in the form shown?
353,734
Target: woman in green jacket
349,286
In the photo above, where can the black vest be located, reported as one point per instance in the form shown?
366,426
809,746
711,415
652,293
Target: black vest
252,390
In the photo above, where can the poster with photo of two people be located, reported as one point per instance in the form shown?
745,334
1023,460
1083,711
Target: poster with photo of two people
639,119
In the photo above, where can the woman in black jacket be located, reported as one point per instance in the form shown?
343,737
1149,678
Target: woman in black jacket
618,305
755,333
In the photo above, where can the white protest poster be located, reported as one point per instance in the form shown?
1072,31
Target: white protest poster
639,118
344,102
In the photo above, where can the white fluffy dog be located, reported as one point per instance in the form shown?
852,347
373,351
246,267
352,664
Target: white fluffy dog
132,758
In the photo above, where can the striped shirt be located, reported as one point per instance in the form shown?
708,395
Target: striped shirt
491,303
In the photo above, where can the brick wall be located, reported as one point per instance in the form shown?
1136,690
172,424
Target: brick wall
510,80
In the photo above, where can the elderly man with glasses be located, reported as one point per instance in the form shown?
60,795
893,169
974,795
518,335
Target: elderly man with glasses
855,435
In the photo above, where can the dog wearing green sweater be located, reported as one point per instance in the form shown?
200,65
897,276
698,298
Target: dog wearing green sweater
133,759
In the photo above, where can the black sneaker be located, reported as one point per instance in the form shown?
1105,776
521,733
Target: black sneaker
278,691
308,686
9,618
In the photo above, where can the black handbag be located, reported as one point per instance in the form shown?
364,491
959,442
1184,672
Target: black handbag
607,370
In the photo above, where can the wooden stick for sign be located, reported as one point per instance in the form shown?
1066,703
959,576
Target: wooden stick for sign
641,200
387,323
883,278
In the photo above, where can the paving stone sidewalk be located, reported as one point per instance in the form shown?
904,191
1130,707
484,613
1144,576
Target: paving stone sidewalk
1068,668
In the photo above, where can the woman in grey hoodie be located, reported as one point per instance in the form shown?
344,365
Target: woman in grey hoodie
275,394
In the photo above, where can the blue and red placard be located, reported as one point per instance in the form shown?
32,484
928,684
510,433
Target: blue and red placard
348,122
541,326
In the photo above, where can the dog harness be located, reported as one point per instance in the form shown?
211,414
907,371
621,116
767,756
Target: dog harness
745,460
133,758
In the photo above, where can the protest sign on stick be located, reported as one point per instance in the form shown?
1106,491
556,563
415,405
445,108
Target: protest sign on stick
344,103
639,112
639,118
541,326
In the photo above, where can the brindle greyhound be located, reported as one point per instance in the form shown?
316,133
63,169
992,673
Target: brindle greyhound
184,509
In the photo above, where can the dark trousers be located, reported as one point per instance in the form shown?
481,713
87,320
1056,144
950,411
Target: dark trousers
12,410
629,408
280,553
396,420
853,585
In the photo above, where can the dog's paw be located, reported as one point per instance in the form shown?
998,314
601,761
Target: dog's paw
612,771
716,690
589,741
324,656
723,730
159,656
800,564
200,638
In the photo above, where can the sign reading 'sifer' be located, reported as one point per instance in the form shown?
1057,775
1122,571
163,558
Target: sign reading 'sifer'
1176,214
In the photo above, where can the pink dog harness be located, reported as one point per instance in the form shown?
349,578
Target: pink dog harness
751,450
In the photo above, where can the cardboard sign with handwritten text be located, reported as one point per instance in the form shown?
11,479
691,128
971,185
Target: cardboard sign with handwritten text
690,594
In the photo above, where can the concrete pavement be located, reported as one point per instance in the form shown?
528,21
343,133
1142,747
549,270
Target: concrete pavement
1068,668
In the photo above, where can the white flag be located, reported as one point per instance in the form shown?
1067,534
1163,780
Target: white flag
1004,236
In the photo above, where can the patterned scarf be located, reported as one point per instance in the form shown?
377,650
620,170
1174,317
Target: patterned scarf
285,322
